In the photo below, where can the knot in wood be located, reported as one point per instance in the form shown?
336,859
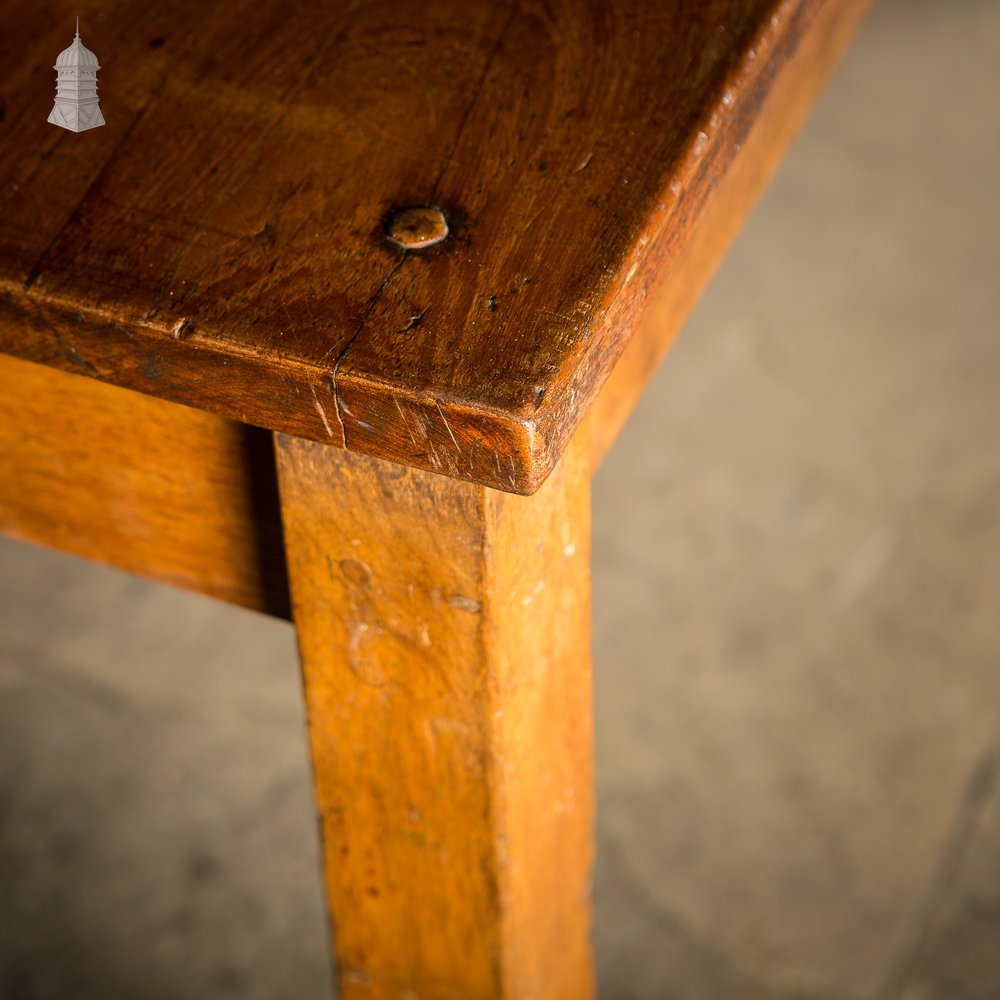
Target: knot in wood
418,227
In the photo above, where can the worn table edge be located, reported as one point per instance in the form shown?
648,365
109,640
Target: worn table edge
512,449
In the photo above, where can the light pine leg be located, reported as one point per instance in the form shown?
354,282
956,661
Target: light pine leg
444,631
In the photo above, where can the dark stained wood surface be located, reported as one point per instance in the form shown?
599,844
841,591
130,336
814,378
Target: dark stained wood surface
222,241
160,490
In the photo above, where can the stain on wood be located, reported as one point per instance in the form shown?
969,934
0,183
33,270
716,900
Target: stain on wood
444,632
221,243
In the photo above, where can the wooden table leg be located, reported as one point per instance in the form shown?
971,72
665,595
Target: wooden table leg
444,630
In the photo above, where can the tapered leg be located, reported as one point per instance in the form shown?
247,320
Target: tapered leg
444,631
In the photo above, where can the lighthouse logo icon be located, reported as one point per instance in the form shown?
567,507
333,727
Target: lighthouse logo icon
76,106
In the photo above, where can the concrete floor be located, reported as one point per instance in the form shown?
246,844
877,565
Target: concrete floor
796,598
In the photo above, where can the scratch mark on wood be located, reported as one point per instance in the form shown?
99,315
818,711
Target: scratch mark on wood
321,411
424,634
472,454
406,423
73,355
552,312
444,420
415,320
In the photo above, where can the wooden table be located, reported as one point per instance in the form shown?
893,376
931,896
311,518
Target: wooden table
295,399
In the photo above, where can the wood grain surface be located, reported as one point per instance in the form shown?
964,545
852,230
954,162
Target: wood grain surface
444,630
160,490
684,278
222,241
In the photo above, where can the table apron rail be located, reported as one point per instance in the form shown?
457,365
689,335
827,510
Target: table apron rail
148,486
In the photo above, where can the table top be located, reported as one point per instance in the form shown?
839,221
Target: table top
224,240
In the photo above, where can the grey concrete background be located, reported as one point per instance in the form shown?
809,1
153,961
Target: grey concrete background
796,601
